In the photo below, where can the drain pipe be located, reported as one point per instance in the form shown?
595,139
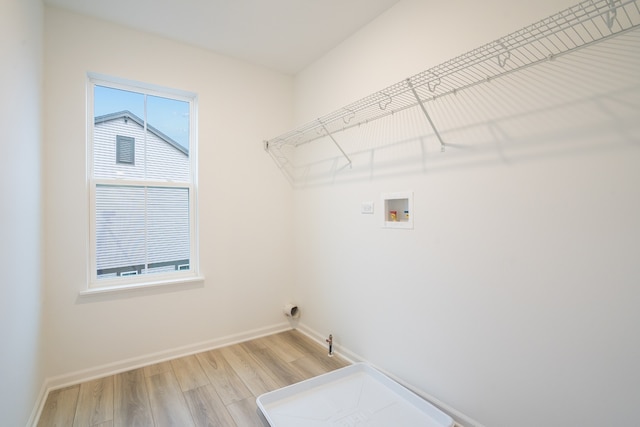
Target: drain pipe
330,341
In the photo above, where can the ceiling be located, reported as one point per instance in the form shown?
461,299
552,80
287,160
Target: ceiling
285,35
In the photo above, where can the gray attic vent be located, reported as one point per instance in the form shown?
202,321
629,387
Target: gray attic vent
125,149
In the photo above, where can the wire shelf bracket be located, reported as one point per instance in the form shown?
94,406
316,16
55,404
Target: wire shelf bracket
424,110
335,142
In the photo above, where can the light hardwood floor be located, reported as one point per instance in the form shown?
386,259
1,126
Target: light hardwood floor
213,388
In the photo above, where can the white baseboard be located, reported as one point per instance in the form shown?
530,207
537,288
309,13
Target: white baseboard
37,408
460,419
65,380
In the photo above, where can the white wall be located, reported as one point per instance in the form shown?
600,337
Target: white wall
20,213
245,234
514,299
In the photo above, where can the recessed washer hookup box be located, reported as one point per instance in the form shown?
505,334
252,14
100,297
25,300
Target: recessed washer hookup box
356,395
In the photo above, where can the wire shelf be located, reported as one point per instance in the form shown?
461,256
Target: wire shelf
584,24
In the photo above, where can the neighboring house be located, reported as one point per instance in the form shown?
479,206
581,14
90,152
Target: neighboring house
124,151
119,150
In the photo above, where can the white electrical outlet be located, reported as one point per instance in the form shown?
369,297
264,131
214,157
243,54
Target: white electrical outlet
366,208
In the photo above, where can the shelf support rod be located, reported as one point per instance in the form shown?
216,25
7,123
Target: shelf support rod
424,110
611,14
335,142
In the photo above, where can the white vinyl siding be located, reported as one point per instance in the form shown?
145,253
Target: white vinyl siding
168,224
120,226
141,226
165,162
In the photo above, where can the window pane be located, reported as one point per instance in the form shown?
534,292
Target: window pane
168,146
120,229
161,153
171,117
130,219
117,113
168,227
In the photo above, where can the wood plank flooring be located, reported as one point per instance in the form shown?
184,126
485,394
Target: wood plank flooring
213,388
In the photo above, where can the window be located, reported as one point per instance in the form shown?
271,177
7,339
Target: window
142,182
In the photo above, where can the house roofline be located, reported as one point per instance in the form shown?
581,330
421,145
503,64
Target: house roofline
138,120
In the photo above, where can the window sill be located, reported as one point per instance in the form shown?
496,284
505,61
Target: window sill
164,284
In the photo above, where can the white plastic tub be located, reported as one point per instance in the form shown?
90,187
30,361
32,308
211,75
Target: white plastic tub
357,395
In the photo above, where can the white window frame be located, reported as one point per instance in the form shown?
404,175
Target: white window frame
95,285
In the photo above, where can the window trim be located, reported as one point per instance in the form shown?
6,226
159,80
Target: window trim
149,285
93,284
